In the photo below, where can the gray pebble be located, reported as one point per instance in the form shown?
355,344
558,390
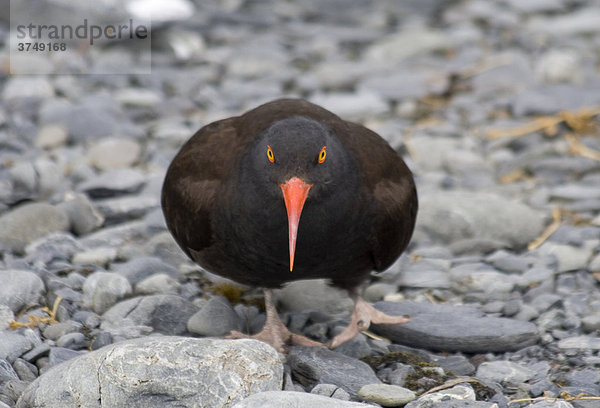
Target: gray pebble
20,288
100,256
458,393
138,269
56,330
41,350
28,222
51,135
504,372
25,370
277,399
101,339
591,323
114,153
89,319
331,391
83,214
508,262
58,355
6,316
569,257
157,284
398,375
121,209
377,291
216,318
11,390
314,365
113,183
73,341
27,87
580,342
7,371
103,289
511,307
317,294
550,404
457,364
166,314
386,395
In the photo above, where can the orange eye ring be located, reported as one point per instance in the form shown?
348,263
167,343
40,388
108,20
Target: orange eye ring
270,154
322,154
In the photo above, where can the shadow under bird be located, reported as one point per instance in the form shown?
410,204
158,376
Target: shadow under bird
290,191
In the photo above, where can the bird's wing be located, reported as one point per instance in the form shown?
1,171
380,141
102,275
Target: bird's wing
193,180
390,182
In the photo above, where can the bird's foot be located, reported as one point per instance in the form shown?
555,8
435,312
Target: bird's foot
362,316
278,336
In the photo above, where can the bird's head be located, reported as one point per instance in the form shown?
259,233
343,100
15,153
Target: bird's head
298,159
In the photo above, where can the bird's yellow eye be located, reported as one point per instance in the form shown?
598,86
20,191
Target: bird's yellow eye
270,154
322,154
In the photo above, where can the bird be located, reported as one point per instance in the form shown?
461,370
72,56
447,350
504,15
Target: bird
290,191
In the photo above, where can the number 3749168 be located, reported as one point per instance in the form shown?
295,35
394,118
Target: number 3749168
41,46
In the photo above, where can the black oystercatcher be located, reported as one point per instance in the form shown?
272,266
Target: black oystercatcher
290,191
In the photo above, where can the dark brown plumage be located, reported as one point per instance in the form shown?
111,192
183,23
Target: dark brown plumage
226,194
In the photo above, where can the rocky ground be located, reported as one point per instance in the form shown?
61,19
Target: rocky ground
92,279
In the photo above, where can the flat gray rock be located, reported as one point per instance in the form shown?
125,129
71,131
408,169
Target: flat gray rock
13,345
294,399
386,395
138,269
459,396
113,183
314,365
160,371
29,222
460,215
166,314
454,328
504,372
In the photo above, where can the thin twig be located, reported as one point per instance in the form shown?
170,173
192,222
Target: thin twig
550,229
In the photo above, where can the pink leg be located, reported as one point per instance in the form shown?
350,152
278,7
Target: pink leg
362,316
274,332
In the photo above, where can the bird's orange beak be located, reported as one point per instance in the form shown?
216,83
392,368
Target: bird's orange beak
294,192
